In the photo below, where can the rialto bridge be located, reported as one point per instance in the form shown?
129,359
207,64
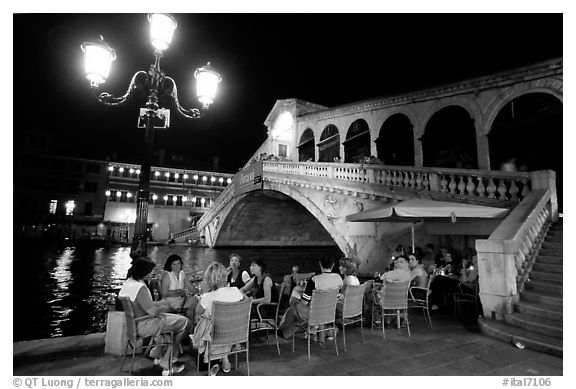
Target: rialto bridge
446,144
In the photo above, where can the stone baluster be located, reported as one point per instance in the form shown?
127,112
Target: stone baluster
525,188
481,189
491,189
412,180
443,184
470,187
406,179
452,185
502,190
388,178
394,178
419,181
513,190
461,185
426,182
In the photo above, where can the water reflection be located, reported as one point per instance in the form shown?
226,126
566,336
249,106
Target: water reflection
69,290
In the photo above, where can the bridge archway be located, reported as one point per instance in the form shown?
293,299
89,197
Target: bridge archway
449,139
357,144
329,144
306,146
275,217
395,143
527,133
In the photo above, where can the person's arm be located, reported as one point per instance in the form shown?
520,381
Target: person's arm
144,299
267,285
245,276
310,286
248,286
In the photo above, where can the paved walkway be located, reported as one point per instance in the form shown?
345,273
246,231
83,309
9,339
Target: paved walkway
449,349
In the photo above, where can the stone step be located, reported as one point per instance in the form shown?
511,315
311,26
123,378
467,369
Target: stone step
532,296
552,245
553,238
544,286
546,267
551,312
531,340
546,276
548,259
551,252
536,324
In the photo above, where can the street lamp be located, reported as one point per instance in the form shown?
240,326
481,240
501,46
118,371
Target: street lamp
98,59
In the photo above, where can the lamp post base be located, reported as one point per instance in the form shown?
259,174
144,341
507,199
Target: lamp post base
139,248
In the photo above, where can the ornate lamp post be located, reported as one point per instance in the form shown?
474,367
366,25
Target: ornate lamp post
98,59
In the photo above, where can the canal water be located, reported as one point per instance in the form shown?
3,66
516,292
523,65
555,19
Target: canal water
67,291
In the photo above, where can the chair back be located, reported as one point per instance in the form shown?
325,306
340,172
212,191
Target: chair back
394,295
323,307
231,322
353,301
131,330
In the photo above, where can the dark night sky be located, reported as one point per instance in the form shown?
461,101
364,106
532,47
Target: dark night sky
328,59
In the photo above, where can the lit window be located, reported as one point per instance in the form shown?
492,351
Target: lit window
166,174
111,168
70,205
185,176
195,176
212,179
131,171
157,174
229,181
221,180
53,206
137,171
121,170
204,178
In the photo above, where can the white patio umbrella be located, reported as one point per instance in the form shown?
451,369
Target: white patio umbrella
412,210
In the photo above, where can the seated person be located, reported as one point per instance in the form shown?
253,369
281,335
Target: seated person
297,314
172,287
349,270
235,277
158,320
429,261
469,277
400,272
418,276
261,288
448,264
215,280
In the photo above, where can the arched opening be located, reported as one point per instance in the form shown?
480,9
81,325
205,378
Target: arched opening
527,135
329,145
395,143
306,146
449,139
357,144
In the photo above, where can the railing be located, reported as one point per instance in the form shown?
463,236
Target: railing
219,203
518,238
482,184
187,231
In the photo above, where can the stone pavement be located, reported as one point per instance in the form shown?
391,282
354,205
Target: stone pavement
449,349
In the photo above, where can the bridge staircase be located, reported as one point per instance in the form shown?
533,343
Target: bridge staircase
536,319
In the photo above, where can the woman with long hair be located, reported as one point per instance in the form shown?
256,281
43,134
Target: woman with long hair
261,287
172,291
236,277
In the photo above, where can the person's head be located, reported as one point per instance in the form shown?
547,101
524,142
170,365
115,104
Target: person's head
327,262
173,263
448,257
215,276
399,248
141,268
348,267
235,260
257,267
413,260
401,262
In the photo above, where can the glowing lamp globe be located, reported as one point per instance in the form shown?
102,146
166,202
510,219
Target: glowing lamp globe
162,28
98,57
207,80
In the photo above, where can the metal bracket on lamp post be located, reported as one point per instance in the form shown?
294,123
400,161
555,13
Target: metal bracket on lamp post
154,82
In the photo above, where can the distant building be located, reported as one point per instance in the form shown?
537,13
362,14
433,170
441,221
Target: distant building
57,197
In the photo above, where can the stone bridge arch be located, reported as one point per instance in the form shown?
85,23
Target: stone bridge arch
277,215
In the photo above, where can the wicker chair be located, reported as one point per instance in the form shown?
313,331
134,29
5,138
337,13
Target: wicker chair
230,326
376,309
394,296
135,341
322,316
352,309
267,324
419,299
